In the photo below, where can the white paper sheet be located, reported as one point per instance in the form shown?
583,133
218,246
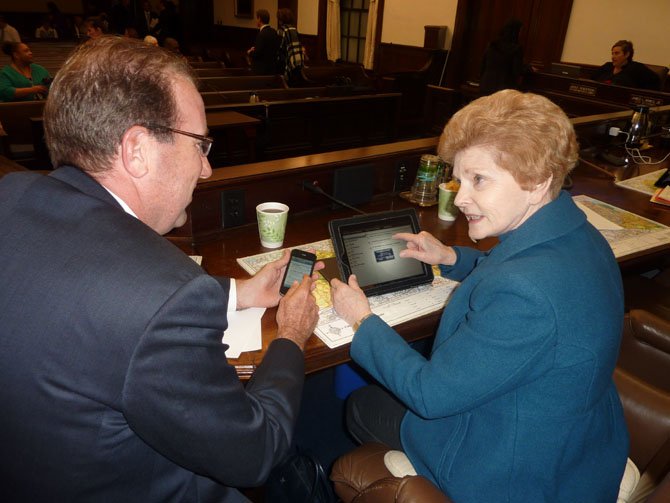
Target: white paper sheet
244,331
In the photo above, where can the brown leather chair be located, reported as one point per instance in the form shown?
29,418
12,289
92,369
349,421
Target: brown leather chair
361,476
661,71
645,348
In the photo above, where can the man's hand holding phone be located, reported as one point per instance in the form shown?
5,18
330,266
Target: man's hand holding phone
298,312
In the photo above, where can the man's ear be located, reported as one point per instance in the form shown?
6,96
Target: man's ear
137,151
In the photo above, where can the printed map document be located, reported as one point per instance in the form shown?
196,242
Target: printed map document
626,232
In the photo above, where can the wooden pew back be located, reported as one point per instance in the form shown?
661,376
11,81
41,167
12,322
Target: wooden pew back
213,98
306,126
15,118
338,75
241,83
223,72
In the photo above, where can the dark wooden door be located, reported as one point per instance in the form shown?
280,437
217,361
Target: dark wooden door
479,21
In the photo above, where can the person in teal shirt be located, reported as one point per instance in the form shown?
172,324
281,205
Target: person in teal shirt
22,80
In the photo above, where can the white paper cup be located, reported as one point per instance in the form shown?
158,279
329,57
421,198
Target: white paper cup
272,223
446,210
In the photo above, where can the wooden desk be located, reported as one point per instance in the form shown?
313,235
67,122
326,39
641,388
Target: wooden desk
225,124
219,257
582,96
8,166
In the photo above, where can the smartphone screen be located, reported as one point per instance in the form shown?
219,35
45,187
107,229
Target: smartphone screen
301,263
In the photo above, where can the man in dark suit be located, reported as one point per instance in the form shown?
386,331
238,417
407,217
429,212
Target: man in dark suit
115,385
147,20
264,52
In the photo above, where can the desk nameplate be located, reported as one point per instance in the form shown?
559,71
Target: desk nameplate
583,90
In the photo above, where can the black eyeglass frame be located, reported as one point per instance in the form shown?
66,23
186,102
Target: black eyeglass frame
205,144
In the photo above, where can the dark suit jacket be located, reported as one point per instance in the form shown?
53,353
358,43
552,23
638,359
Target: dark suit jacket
264,57
115,386
633,74
144,26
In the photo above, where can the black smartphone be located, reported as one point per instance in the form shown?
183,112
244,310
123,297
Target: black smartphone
301,263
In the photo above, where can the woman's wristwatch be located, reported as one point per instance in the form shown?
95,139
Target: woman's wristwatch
358,324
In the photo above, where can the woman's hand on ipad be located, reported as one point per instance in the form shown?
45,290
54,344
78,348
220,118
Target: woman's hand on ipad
426,248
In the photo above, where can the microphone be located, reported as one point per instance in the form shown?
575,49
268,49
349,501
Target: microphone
314,188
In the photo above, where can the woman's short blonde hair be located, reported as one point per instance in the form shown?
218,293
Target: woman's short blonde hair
528,136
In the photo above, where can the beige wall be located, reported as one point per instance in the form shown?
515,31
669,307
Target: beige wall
404,20
224,13
596,24
308,14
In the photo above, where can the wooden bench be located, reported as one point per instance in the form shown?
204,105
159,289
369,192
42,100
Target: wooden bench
306,126
213,98
264,181
579,97
339,75
9,166
241,83
223,72
15,118
196,65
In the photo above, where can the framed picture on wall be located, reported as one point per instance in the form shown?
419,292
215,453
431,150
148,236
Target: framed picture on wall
244,8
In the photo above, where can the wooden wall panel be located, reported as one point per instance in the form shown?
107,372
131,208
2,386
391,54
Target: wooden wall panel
478,22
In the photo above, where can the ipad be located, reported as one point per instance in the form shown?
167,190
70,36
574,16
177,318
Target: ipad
364,246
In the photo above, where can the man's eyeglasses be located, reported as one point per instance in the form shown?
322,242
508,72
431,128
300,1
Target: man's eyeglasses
204,145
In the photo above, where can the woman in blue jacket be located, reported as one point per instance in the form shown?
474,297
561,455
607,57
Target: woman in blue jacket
516,400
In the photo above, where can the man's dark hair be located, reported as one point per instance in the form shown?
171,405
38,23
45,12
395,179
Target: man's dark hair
626,47
263,15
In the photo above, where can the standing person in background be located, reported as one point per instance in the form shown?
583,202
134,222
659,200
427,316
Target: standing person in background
291,55
22,80
623,71
7,32
264,52
168,21
121,17
59,22
502,65
148,19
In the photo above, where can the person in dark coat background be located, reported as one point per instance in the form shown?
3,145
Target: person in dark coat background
502,65
263,54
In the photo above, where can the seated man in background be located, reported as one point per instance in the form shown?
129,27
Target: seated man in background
115,380
623,71
7,32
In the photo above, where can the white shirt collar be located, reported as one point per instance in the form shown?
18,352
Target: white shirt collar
123,204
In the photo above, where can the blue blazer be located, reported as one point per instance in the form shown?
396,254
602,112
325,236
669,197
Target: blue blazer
516,402
115,385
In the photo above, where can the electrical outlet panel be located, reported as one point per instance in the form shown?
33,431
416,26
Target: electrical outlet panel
232,208
402,181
